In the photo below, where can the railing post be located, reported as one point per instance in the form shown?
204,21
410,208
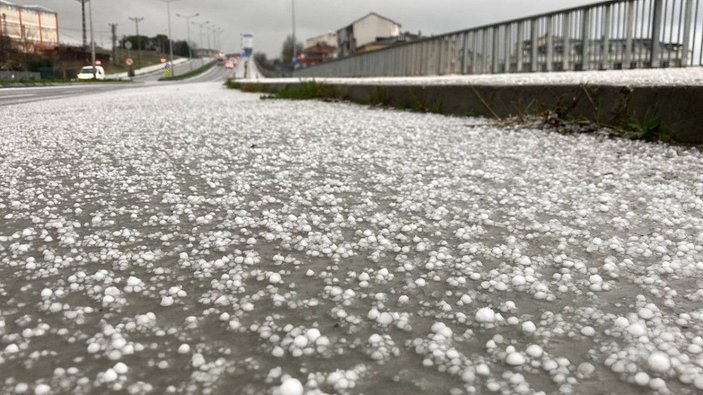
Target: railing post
629,31
566,44
440,56
688,17
550,44
585,39
464,49
535,42
508,37
520,49
474,60
605,54
421,58
657,17
496,46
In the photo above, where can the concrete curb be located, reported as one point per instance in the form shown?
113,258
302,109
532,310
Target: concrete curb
676,108
143,70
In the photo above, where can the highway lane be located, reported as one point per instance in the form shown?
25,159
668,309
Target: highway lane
216,73
19,95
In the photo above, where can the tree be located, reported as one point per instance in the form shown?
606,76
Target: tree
160,42
261,58
287,49
181,48
139,42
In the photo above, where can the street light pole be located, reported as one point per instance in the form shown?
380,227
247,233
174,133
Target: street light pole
209,29
188,18
136,21
92,39
170,39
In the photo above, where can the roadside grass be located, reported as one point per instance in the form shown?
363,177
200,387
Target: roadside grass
644,127
190,74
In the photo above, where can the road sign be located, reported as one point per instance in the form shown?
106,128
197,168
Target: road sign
129,61
128,44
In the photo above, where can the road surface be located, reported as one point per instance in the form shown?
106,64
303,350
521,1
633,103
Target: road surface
18,95
185,238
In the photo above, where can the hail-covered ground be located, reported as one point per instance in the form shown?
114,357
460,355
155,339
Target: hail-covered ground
684,76
191,239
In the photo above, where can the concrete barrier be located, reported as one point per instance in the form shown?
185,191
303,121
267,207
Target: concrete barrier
673,110
144,70
19,76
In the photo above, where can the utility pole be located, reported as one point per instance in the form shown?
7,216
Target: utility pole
26,51
113,28
136,21
92,39
170,39
295,54
85,40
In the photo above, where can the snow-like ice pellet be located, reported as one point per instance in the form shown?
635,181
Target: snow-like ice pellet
109,375
42,389
485,315
515,359
659,362
291,386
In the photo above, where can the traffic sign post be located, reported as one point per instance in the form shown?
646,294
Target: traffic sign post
130,69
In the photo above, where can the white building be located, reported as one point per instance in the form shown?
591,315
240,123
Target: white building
365,31
30,28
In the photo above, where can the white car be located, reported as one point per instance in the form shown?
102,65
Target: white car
86,73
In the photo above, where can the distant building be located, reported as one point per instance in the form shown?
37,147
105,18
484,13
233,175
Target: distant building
364,31
329,39
385,42
29,28
316,54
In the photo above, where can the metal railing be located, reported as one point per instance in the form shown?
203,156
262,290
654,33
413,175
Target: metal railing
619,34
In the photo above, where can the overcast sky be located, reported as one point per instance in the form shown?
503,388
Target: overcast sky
270,20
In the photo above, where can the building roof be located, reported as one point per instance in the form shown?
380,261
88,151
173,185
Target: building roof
378,15
28,7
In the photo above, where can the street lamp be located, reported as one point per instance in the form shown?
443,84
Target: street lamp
201,25
170,39
187,18
209,29
216,38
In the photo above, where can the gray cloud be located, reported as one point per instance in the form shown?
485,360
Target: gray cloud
270,20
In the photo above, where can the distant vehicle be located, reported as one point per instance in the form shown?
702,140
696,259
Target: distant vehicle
229,64
86,73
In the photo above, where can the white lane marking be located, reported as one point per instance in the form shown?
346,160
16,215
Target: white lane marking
15,96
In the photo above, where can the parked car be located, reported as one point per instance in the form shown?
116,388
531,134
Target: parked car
86,73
